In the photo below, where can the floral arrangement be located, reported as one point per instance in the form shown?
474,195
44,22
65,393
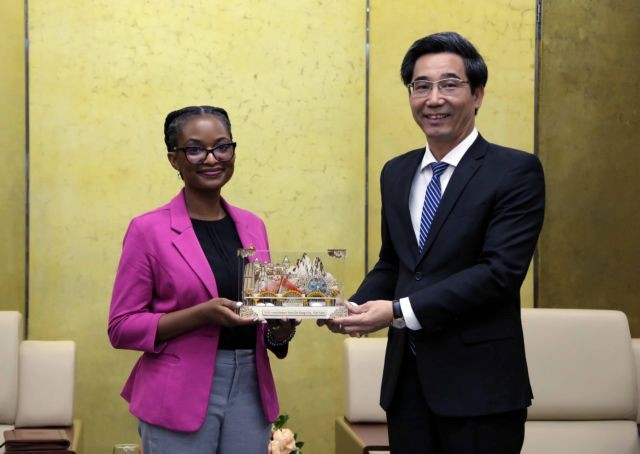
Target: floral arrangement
283,440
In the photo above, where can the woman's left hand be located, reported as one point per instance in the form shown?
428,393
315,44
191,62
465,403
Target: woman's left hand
281,329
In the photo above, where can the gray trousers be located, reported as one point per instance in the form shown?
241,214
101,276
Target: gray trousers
235,421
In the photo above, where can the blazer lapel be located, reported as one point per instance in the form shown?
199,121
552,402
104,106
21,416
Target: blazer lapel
188,245
469,164
246,235
250,235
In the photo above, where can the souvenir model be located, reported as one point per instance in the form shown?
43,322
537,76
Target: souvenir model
292,285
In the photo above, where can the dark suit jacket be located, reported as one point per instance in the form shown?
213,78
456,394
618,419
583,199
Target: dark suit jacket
465,287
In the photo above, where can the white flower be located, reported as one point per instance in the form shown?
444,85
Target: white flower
283,442
274,447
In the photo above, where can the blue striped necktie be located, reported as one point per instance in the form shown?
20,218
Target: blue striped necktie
431,202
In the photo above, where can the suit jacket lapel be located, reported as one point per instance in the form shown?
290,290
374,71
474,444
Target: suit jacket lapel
469,164
400,197
188,245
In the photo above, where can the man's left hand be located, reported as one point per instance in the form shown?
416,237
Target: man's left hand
364,319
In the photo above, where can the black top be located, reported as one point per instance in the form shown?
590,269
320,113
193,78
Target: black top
220,242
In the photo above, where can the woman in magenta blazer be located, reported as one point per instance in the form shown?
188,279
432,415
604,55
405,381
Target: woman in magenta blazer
203,383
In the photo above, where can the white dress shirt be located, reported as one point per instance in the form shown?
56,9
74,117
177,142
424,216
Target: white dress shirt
419,185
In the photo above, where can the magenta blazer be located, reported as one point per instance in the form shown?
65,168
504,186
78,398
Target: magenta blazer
163,269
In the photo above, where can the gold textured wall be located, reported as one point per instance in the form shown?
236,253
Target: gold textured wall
504,33
103,76
12,144
292,76
588,141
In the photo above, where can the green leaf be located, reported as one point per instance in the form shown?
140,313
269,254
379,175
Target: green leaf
280,422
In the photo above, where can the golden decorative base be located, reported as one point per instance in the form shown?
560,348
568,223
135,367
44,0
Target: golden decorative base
301,312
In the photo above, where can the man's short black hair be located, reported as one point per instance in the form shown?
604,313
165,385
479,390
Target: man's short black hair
452,42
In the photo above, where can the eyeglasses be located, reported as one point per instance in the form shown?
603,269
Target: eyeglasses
197,155
446,87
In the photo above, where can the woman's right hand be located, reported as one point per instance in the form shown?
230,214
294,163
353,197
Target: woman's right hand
216,311
221,311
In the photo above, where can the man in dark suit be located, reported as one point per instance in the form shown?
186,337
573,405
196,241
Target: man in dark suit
460,222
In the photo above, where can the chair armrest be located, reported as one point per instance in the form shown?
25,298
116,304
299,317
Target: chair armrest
10,338
635,343
46,383
363,364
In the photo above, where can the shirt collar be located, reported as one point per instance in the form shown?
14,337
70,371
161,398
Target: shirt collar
454,156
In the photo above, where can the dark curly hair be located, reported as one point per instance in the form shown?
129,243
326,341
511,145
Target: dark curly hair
474,64
175,121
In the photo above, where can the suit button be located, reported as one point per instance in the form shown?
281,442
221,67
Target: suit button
418,276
